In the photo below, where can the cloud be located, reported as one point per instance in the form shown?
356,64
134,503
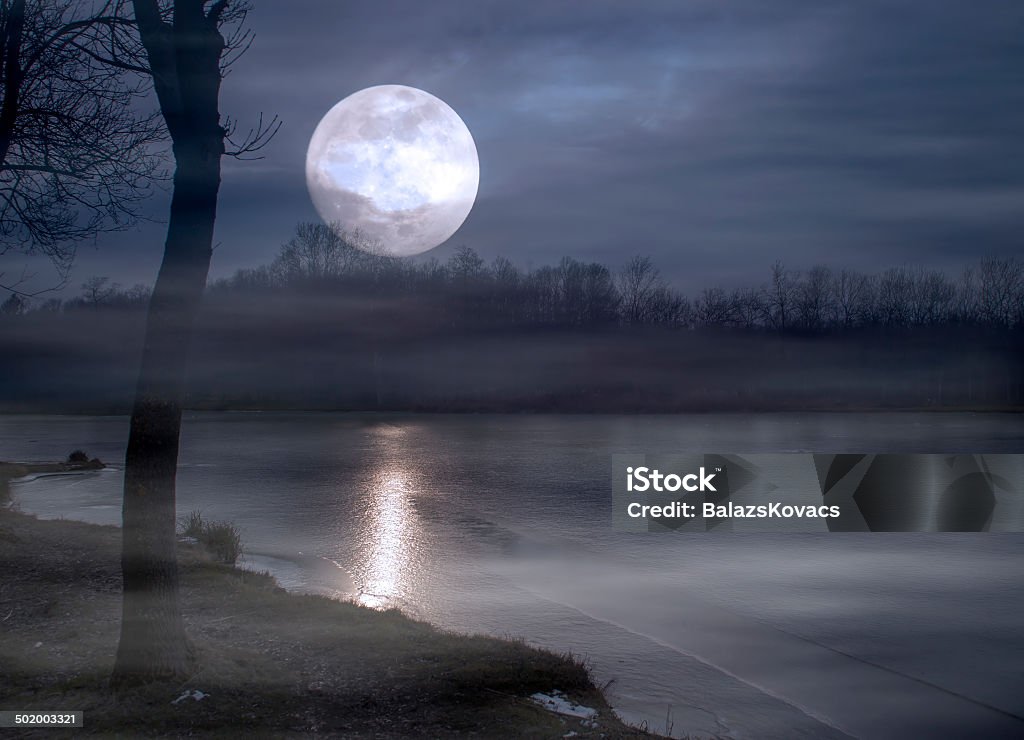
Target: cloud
717,137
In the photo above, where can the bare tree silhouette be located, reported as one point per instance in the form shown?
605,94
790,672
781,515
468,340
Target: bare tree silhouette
638,281
75,155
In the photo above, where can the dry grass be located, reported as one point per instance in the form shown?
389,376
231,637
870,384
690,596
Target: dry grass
222,540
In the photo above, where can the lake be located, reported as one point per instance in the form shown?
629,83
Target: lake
502,524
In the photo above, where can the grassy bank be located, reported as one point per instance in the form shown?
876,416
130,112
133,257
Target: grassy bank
270,664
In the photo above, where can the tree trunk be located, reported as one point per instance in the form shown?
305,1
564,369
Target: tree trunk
184,56
153,643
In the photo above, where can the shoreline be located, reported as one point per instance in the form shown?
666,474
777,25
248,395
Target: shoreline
11,472
323,578
57,645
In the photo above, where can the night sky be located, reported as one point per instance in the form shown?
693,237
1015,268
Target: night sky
715,136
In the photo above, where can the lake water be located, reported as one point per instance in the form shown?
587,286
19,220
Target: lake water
502,524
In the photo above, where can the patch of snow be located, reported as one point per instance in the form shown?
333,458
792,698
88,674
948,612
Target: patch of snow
191,694
559,703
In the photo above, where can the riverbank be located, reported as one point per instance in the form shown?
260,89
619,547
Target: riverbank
12,471
268,662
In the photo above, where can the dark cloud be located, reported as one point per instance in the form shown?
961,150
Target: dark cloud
715,136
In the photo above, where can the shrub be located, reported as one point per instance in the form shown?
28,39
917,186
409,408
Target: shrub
221,539
78,456
192,524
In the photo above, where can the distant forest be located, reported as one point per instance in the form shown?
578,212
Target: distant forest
329,325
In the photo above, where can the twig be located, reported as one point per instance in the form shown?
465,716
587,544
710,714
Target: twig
232,616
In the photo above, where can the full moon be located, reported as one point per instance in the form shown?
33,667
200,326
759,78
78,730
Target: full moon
395,163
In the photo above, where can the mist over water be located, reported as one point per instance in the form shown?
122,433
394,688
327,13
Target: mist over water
502,524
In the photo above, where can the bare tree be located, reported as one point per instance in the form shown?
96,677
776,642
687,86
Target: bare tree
779,297
892,296
185,52
318,251
713,308
465,264
507,294
637,283
1000,286
75,155
504,272
583,294
668,307
600,298
851,291
747,307
97,290
931,298
813,297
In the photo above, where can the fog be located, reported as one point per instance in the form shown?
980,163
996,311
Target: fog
330,326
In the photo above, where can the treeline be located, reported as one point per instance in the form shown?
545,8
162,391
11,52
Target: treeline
465,291
328,325
96,293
